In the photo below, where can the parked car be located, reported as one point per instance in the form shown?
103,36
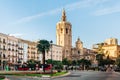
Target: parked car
23,68
117,69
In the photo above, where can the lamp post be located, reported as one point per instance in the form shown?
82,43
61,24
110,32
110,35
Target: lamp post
51,56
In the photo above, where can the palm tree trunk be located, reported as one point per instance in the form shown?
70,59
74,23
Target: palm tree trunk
43,60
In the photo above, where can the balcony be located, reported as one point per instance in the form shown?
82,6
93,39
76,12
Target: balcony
9,43
20,53
14,56
8,55
4,42
4,49
12,49
20,48
9,49
21,58
33,48
12,44
16,45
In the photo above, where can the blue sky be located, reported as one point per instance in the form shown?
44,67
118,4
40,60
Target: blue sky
92,20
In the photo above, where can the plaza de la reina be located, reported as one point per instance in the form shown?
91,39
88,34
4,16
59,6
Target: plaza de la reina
14,49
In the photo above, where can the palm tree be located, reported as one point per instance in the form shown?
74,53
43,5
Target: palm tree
43,46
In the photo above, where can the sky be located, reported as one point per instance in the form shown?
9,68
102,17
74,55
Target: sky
92,21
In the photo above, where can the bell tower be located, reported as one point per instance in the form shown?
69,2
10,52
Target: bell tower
64,35
79,46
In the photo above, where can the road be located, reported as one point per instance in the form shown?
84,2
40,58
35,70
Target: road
91,75
78,75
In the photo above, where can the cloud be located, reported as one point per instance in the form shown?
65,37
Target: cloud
105,11
16,34
68,7
84,4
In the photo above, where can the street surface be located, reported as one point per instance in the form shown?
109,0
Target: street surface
91,75
78,75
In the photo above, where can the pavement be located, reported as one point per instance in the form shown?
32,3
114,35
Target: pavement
91,75
75,75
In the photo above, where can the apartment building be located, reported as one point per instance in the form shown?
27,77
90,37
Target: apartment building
12,49
56,52
31,49
3,49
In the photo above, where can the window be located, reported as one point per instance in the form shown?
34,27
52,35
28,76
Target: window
4,56
61,30
78,52
3,47
66,30
3,40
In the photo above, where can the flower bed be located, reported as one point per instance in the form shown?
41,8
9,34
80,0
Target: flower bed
2,77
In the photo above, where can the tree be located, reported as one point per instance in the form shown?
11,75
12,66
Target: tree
118,61
43,46
108,61
99,49
65,61
85,63
56,64
99,58
74,62
31,63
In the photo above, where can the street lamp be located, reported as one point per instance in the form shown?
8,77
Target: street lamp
51,56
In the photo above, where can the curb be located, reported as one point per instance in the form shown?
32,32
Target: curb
62,75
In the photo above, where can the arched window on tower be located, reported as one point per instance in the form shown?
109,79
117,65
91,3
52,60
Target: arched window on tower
66,30
61,30
78,52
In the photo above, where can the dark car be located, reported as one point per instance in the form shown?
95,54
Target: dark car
102,69
117,69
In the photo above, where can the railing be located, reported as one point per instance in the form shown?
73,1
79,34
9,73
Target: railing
9,43
4,49
12,49
9,49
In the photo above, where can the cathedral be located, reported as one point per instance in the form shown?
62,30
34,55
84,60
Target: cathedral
64,39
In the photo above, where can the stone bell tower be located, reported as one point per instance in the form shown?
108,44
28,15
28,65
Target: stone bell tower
79,46
64,35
